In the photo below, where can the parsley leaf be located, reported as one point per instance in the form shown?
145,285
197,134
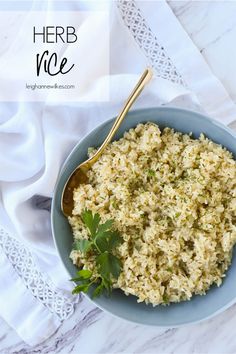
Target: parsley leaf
106,226
98,291
82,245
108,265
83,276
91,221
81,287
85,273
102,241
108,240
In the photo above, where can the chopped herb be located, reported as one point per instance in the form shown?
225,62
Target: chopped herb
169,269
90,150
151,173
102,241
166,299
114,204
177,215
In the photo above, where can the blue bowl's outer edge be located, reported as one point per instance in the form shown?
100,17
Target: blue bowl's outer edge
202,116
187,323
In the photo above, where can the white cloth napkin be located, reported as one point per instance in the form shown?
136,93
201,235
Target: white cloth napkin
35,139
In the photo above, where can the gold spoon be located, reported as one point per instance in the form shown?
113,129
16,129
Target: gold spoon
79,175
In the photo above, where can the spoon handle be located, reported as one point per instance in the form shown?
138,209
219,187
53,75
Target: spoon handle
145,78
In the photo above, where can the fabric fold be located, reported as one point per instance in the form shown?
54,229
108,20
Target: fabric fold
31,320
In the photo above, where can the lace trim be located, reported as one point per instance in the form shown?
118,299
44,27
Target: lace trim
148,42
38,283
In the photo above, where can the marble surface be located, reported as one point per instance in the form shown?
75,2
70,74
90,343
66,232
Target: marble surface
212,27
91,331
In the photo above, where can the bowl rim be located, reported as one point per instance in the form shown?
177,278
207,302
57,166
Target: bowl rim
80,141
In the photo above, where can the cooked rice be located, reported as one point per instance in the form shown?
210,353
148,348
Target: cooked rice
173,200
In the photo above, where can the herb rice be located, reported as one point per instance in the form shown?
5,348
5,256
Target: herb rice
173,201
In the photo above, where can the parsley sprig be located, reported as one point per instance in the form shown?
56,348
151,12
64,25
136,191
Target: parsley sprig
102,241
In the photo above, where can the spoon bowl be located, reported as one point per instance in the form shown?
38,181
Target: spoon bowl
79,176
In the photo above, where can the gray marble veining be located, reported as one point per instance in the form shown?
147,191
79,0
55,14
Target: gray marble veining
91,331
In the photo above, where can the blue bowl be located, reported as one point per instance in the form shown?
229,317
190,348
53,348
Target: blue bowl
126,307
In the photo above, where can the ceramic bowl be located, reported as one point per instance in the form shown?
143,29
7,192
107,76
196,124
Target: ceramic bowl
126,307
